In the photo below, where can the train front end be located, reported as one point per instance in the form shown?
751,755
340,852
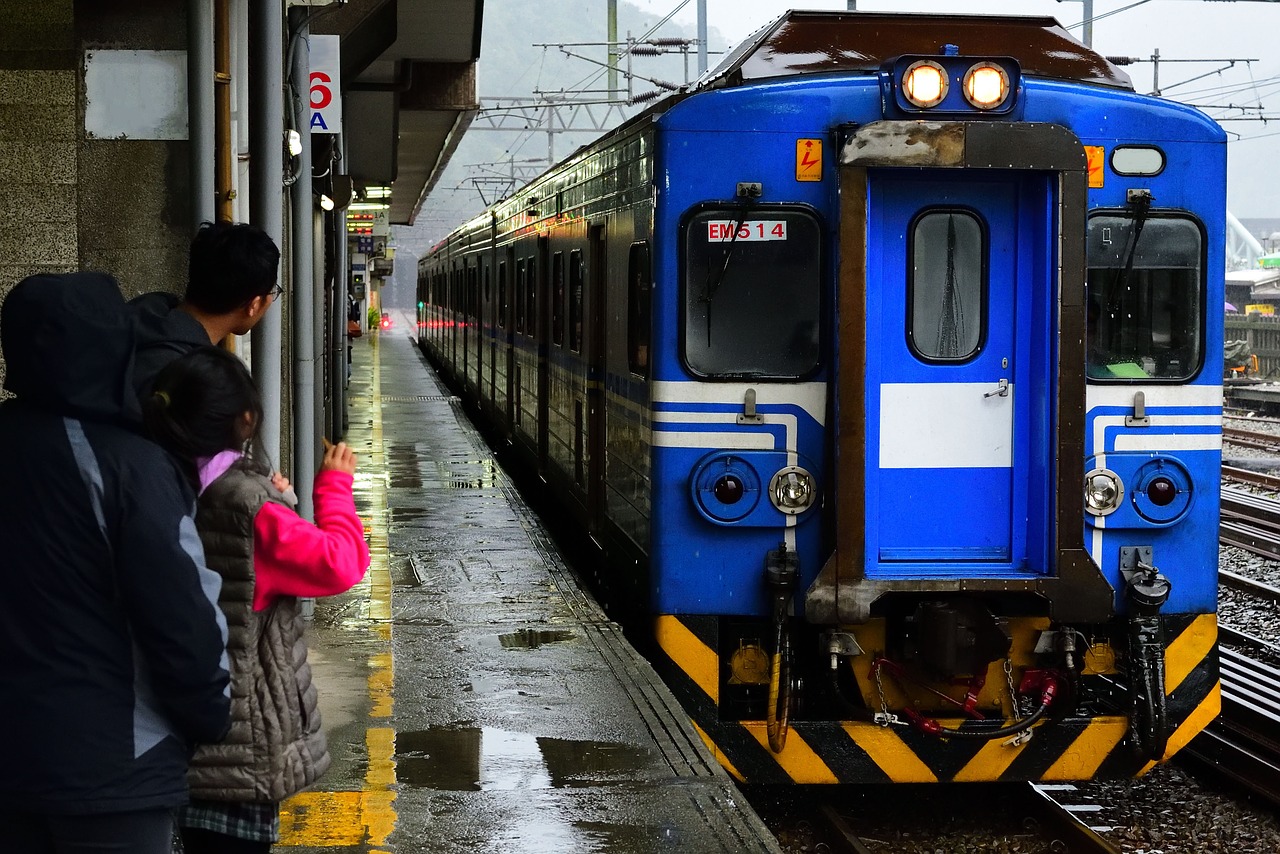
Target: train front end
964,528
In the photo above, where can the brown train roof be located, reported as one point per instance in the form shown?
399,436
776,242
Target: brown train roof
818,42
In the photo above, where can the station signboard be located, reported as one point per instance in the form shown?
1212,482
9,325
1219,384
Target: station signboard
326,84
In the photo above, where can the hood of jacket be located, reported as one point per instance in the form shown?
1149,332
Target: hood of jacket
68,342
159,325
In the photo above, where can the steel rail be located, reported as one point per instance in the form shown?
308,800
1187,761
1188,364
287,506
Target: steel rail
1244,584
1251,439
1256,478
1228,412
845,839
1061,823
1242,744
1250,522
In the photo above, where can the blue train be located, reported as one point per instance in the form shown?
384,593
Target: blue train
882,366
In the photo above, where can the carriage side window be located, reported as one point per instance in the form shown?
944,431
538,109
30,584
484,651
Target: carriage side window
575,300
520,286
531,298
639,293
1145,295
557,299
947,285
502,294
473,290
752,292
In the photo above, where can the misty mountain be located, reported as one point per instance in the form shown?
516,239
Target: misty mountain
490,164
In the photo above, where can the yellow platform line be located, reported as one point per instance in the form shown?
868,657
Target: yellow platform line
341,819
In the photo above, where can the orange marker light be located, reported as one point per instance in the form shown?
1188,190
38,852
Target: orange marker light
924,83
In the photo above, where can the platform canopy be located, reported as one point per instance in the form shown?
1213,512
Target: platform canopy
409,90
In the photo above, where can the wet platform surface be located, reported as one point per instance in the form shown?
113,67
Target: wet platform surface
475,699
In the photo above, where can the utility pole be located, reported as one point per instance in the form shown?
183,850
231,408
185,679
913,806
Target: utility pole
1155,60
702,37
1088,22
612,39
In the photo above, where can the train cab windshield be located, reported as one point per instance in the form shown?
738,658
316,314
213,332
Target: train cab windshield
752,292
1145,303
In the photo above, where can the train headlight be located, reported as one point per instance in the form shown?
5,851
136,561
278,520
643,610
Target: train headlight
1103,492
924,83
986,85
792,490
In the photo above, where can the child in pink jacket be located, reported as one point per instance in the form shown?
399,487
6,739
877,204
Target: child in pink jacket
206,408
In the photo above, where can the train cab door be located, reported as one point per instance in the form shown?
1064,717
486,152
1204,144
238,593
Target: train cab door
957,381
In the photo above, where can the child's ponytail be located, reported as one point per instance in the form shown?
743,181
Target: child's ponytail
198,403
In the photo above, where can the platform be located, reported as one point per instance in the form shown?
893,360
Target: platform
475,698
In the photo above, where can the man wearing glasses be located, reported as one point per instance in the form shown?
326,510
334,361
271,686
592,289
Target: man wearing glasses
232,282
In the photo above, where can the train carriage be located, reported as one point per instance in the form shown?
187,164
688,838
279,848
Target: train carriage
877,365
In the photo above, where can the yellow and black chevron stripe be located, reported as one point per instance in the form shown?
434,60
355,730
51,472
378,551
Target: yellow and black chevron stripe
820,751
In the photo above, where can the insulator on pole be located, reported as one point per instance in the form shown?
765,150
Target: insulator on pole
644,50
668,42
671,87
645,96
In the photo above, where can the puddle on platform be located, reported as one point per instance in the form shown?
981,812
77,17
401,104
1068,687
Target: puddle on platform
402,467
474,759
468,474
533,638
405,515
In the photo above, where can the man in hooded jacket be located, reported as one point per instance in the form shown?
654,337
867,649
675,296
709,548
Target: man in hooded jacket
113,648
231,282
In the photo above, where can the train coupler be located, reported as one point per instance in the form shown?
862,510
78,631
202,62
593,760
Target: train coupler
781,571
1146,591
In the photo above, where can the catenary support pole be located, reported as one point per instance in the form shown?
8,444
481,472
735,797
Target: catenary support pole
611,36
266,166
702,37
200,130
341,277
302,243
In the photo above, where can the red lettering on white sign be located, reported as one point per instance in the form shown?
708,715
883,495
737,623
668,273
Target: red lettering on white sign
721,231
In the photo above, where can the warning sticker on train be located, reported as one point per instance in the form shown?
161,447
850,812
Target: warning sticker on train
808,160
750,229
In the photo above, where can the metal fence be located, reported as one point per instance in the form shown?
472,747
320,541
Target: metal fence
1263,334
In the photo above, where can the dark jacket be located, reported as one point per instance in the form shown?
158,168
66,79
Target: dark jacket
163,334
113,650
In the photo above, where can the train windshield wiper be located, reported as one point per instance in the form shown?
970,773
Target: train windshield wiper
713,286
1141,204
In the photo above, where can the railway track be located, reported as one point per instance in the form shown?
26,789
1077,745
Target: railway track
1242,744
1250,521
1251,439
1028,817
1255,478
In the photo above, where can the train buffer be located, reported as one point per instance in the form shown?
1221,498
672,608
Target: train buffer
474,697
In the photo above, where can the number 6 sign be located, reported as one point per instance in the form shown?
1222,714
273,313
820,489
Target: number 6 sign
325,97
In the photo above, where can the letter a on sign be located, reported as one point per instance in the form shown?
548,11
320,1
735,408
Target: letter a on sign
808,160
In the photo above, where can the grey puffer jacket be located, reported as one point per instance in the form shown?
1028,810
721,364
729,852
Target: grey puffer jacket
276,747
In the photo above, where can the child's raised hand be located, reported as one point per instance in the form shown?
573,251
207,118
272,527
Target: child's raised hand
280,482
338,458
